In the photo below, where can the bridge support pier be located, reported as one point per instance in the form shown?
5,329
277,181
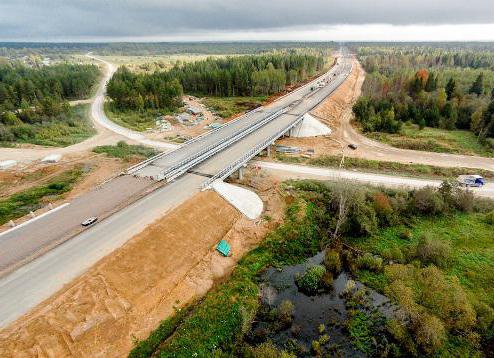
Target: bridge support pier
268,151
241,173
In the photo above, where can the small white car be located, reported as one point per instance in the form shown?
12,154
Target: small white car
89,221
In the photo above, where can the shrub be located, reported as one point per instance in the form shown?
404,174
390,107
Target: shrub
406,235
310,281
427,201
285,311
332,261
383,208
489,218
465,201
394,253
268,350
429,333
370,262
432,251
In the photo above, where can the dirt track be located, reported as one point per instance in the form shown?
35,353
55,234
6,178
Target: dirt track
129,292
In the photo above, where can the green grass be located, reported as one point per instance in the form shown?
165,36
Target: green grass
434,140
126,151
138,121
472,242
219,321
375,166
21,203
227,107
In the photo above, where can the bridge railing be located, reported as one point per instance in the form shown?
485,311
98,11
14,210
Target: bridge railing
228,170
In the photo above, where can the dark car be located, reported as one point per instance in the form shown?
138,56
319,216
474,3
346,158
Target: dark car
89,221
352,146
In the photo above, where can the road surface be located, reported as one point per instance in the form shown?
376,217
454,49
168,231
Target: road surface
292,171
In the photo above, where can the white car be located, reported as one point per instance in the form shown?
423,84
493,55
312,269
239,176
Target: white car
89,221
471,180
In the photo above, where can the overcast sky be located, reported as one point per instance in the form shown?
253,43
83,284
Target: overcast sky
216,20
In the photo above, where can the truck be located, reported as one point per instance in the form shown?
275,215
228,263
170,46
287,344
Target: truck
471,180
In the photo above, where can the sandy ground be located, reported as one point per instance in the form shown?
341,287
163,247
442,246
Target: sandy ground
128,293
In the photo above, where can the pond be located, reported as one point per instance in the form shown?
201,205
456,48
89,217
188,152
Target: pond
322,317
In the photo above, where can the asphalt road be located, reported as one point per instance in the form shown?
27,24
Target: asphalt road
34,282
32,239
337,74
291,171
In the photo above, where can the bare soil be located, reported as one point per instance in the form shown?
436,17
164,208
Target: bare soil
126,295
335,112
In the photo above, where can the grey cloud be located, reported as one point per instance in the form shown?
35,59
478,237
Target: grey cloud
32,19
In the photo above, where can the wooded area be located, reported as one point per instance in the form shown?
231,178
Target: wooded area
440,88
33,103
22,87
252,75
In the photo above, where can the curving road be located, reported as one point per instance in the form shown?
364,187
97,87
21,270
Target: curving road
371,149
107,131
98,113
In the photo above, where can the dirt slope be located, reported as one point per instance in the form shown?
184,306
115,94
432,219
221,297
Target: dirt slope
129,292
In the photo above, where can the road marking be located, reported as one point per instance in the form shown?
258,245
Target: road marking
34,219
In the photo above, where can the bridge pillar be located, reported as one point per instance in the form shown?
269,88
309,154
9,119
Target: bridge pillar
241,173
268,151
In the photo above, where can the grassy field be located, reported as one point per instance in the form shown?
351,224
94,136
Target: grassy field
21,203
227,107
126,151
465,280
138,121
375,166
434,140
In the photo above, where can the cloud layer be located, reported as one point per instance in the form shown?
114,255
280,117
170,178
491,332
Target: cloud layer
52,19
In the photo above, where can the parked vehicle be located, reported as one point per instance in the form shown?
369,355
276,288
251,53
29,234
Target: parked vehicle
352,146
89,221
471,180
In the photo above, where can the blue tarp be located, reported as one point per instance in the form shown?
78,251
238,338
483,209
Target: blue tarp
223,248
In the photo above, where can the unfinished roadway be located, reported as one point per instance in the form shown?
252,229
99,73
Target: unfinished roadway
36,280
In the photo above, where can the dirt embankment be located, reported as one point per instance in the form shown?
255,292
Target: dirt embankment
129,292
336,112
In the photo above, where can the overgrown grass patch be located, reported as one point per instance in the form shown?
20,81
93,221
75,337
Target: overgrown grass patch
434,140
138,121
126,151
227,107
21,203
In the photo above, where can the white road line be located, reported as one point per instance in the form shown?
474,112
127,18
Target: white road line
34,219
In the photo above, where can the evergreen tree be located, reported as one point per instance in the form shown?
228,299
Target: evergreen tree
450,88
431,84
478,86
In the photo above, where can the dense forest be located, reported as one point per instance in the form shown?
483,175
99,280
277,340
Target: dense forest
437,88
33,103
21,86
231,76
9,49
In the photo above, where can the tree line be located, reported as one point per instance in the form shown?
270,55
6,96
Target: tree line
448,98
23,87
231,76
